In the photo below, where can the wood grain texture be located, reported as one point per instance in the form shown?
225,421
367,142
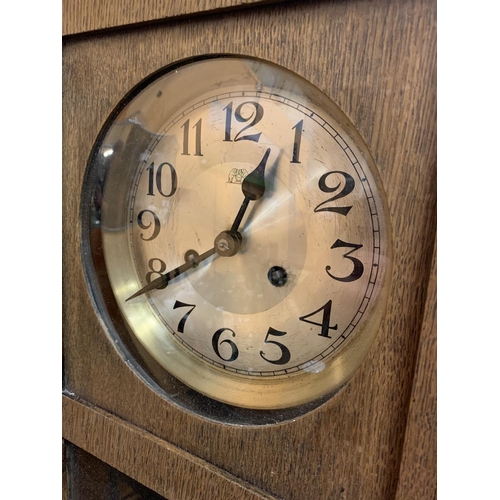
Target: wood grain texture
418,478
147,459
80,16
376,60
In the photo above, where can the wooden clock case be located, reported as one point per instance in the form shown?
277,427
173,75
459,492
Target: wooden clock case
376,438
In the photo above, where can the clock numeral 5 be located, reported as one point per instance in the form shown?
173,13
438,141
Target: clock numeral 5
285,353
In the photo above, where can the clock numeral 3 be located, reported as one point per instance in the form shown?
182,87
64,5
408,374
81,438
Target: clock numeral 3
325,324
348,187
256,116
358,269
157,180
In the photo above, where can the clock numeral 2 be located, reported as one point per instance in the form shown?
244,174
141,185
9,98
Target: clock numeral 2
347,189
256,116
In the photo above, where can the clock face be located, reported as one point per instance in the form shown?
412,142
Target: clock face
244,232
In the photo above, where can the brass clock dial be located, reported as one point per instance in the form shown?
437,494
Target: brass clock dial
244,232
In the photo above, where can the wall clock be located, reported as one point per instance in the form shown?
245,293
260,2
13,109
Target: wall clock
236,238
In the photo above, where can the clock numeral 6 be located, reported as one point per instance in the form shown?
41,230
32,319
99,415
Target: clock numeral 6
216,344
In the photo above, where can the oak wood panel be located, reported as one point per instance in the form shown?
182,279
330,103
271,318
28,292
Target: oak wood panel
80,16
376,60
418,475
147,459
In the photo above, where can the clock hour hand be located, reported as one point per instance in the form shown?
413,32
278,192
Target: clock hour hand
192,259
253,187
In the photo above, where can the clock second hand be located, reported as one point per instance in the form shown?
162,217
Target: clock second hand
227,243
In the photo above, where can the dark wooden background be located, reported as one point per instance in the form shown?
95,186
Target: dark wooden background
376,439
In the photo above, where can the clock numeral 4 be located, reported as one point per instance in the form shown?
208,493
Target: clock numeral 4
325,323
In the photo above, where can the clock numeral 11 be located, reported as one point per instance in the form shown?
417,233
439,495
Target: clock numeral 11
185,141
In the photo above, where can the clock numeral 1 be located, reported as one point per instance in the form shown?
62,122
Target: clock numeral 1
325,324
182,322
185,141
256,116
296,142
156,180
285,353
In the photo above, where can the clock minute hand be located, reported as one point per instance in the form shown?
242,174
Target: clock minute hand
192,259
253,187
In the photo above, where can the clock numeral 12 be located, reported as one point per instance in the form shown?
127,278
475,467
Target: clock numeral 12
257,115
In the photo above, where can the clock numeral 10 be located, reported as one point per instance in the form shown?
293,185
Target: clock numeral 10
156,180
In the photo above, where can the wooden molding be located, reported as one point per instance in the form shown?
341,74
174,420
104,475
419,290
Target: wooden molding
164,468
80,16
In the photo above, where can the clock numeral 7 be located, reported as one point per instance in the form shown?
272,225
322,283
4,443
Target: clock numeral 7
182,322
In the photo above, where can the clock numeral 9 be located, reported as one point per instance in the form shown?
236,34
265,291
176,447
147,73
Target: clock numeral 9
156,180
142,225
257,115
